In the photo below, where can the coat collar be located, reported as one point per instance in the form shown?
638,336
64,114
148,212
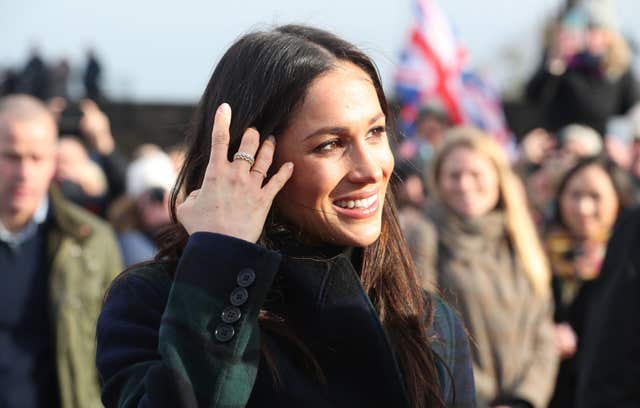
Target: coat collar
324,301
15,239
65,217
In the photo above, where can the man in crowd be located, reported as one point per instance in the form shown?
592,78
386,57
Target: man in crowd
56,260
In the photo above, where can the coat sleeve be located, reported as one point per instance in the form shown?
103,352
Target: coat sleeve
159,349
542,86
538,382
630,92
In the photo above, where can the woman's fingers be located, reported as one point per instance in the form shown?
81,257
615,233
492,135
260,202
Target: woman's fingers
278,181
194,194
248,147
186,204
219,138
264,158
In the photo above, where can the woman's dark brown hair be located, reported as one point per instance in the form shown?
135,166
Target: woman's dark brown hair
264,77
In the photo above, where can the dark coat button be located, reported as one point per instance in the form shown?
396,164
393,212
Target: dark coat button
246,277
239,296
224,332
231,314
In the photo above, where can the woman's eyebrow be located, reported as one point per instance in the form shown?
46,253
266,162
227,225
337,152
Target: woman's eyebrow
336,130
329,130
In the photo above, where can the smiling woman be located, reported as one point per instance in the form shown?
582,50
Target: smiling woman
492,268
342,171
590,197
285,280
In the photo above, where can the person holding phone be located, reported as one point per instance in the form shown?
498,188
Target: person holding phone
285,280
586,76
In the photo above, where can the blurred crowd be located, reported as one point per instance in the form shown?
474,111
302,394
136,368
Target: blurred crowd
518,245
46,80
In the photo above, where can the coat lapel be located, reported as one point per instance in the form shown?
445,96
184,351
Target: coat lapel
326,304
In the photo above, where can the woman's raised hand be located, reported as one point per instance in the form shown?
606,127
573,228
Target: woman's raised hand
232,200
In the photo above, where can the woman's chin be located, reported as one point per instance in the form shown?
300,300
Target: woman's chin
358,237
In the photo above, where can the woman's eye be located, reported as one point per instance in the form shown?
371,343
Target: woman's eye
455,176
576,195
378,131
328,146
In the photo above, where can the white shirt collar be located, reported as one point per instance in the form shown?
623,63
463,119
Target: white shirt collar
15,239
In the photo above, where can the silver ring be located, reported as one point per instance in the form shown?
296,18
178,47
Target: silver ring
244,156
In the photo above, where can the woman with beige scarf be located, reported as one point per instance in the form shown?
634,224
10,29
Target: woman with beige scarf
492,269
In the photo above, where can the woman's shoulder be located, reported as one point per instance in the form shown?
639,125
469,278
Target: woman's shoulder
153,271
447,329
141,283
449,341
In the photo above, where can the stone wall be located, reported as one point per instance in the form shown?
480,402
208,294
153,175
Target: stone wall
135,124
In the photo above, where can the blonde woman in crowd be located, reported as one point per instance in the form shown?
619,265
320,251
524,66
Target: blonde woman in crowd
492,268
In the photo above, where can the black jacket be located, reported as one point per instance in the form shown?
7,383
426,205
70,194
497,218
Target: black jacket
610,366
164,342
581,95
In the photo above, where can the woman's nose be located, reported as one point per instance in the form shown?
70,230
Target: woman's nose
465,182
586,206
365,166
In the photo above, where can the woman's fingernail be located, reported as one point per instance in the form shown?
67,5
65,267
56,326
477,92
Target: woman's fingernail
271,139
224,108
289,165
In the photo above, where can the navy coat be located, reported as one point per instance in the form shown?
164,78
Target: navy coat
194,340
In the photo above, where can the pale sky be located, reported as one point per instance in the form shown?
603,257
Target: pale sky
165,51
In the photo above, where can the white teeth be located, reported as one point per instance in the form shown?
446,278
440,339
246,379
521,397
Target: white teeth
364,203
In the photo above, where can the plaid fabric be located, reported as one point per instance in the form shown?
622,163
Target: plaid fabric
157,345
453,347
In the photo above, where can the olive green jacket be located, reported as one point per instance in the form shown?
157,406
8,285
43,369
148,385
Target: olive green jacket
84,257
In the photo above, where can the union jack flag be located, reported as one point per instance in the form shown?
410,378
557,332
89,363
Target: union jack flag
433,68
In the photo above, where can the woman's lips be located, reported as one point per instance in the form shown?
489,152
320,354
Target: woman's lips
360,208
